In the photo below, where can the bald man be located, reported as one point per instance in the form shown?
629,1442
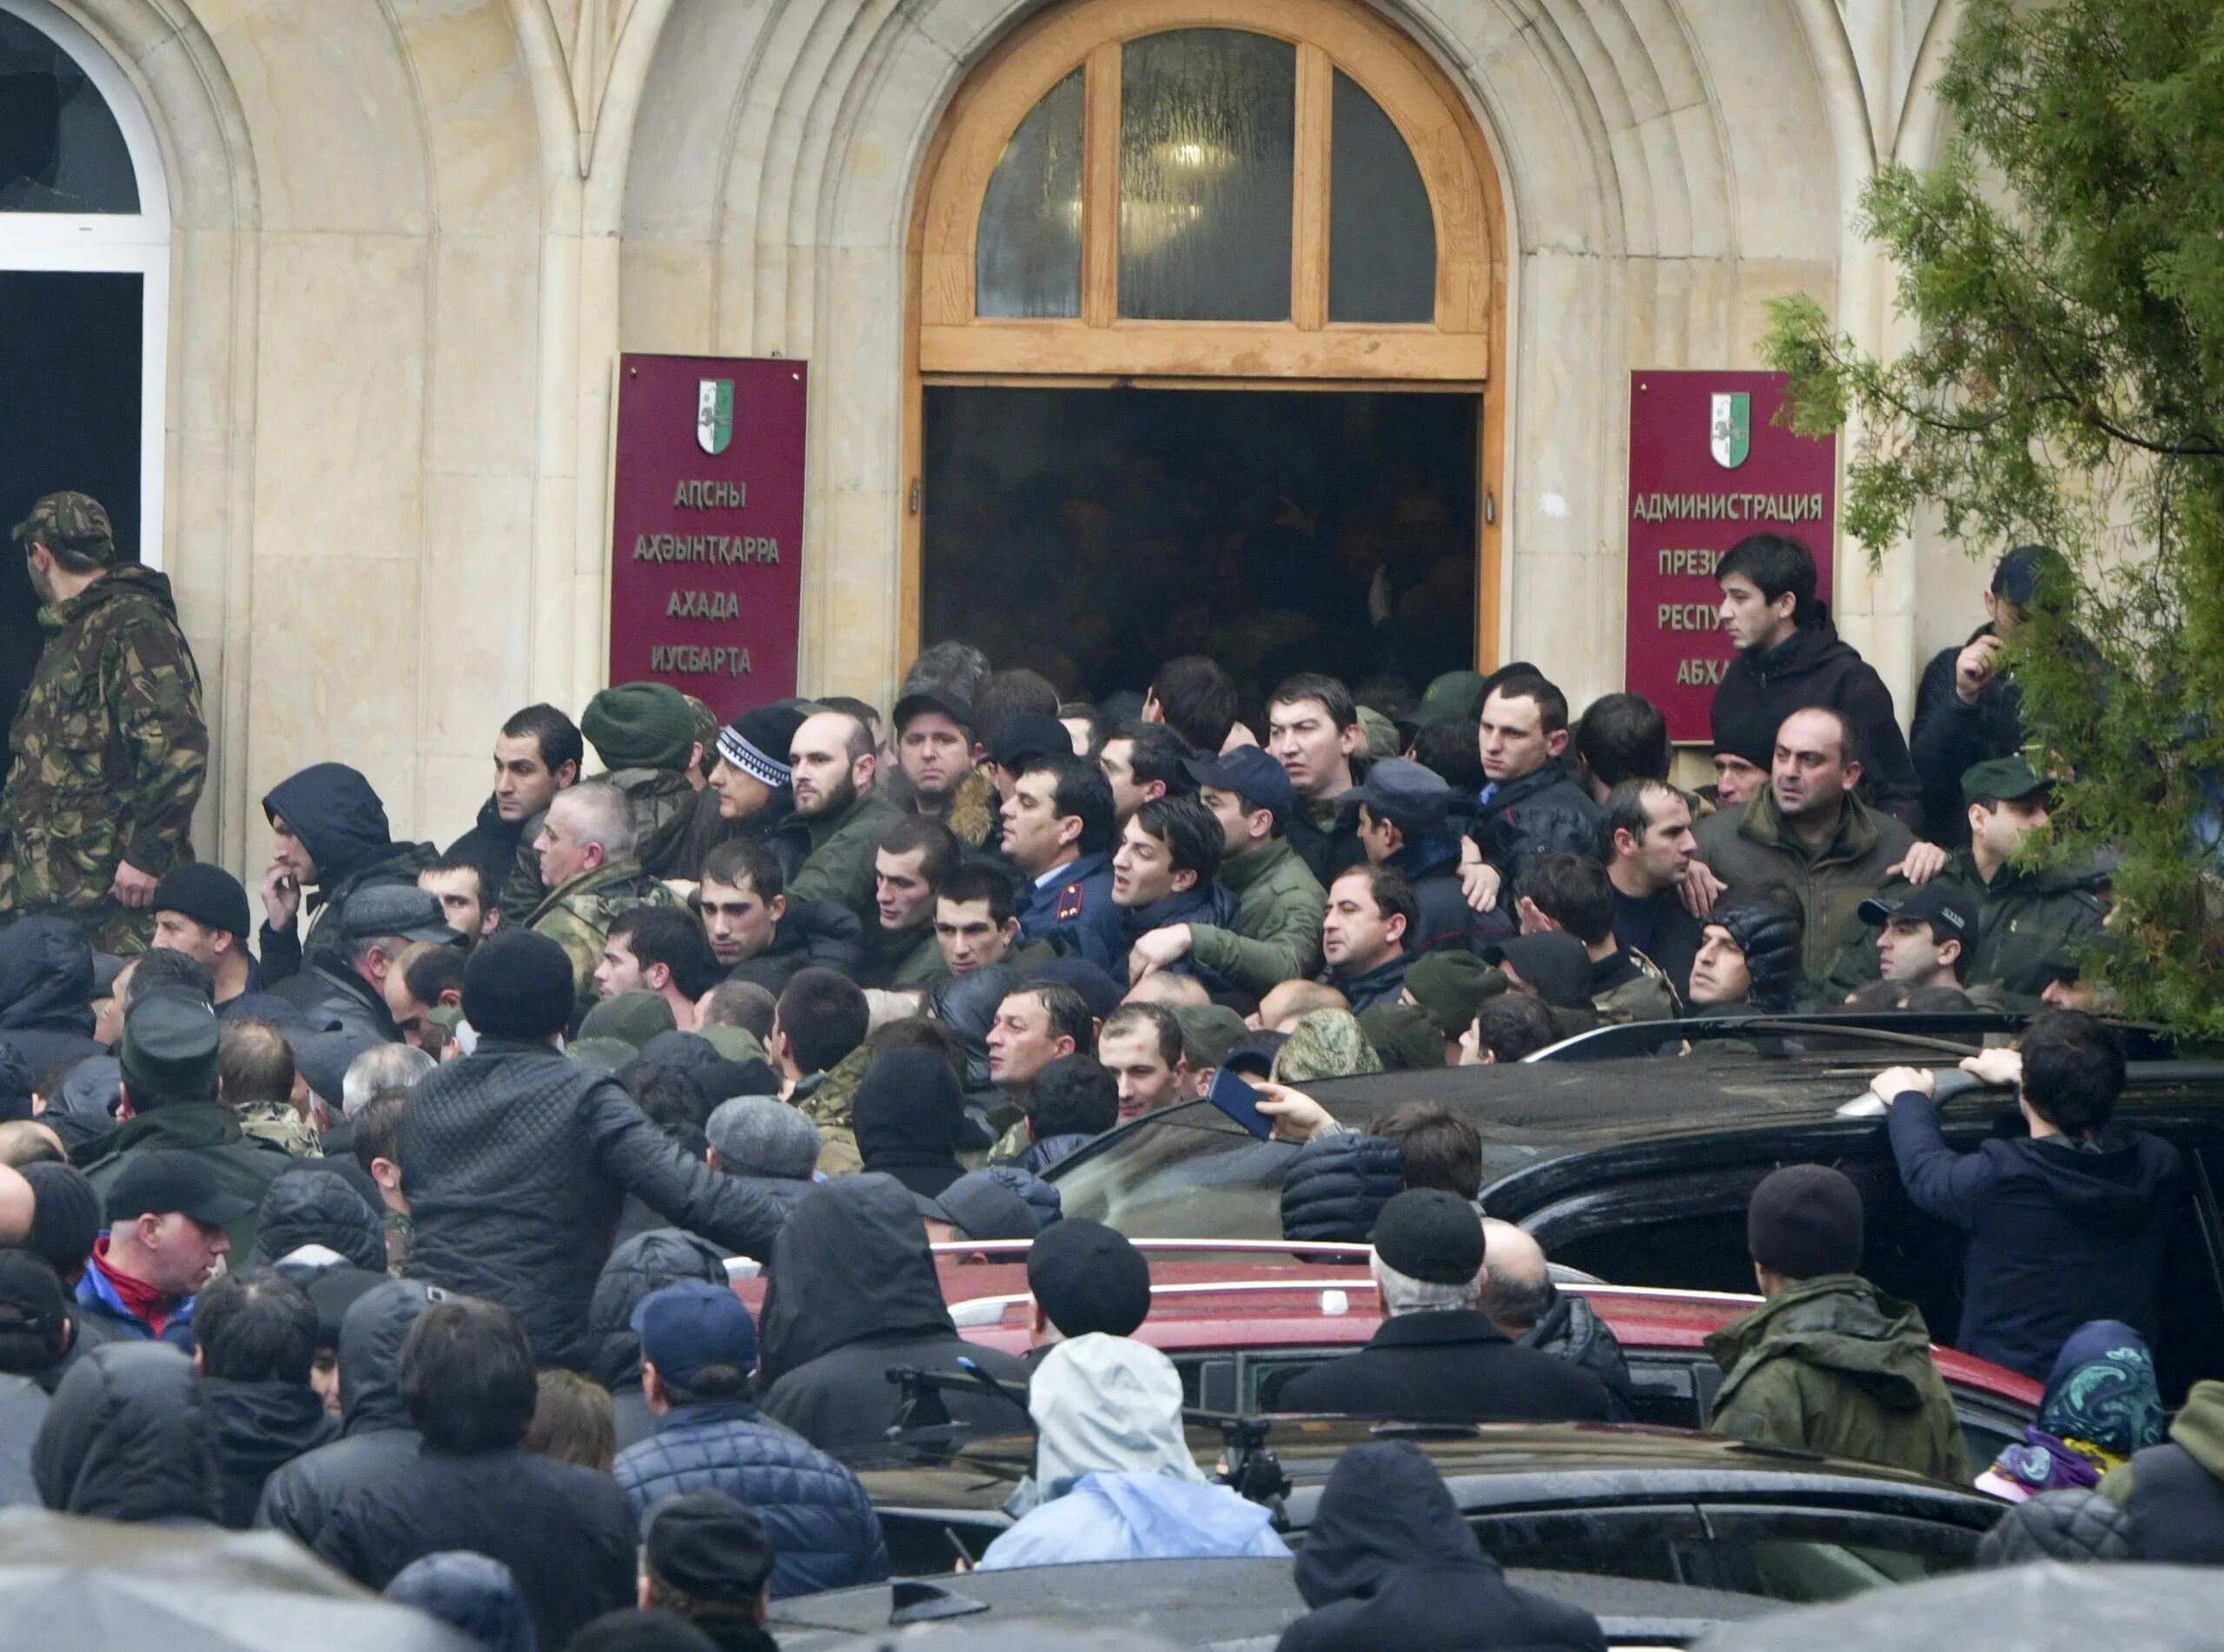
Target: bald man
1520,1298
1173,991
1288,1003
17,1205
24,1141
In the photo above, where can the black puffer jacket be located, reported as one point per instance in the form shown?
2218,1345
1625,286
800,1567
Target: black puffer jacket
46,989
1573,1331
1545,813
520,1162
1812,667
314,1206
1448,922
130,1436
375,1429
1337,1184
260,1427
967,1005
339,820
852,1294
813,935
646,1263
1388,1563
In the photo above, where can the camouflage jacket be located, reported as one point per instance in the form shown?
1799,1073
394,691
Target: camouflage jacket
282,1125
825,1099
108,753
577,915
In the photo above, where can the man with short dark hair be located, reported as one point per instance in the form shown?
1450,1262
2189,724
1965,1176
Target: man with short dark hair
107,749
916,855
346,993
1650,847
1142,761
941,757
1313,730
328,831
1829,1363
167,1217
1404,813
1197,699
1436,1356
977,919
537,754
1162,876
1034,1025
1811,833
1371,910
1057,829
818,1048
1572,893
253,1337
2066,1224
756,931
1618,738
1509,1027
707,1559
168,1054
662,951
1140,1046
468,898
519,1159
698,1347
831,765
1789,656
427,978
1533,803
466,1376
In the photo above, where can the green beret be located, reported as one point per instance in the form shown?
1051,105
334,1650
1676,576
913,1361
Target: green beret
1403,1035
631,1018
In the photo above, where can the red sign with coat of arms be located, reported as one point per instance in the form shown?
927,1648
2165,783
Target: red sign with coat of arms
706,526
1708,465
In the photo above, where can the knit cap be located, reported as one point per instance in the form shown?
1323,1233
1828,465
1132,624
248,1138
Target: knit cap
756,743
640,725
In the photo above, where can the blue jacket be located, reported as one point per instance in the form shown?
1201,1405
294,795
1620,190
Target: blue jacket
2059,1234
1074,912
820,1522
1137,1517
1205,902
94,1293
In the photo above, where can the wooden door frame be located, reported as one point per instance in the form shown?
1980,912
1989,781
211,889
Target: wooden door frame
1307,353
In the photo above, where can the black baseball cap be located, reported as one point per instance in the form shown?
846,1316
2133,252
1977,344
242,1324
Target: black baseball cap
166,1179
1249,773
1028,736
958,711
1411,796
1933,902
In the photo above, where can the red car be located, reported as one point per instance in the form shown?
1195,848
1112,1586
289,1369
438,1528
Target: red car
1240,1318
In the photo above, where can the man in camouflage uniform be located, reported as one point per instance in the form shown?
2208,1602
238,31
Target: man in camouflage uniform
107,749
586,859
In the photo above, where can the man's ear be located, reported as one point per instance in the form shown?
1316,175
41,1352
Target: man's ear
1556,742
1184,880
1852,774
200,1359
1396,927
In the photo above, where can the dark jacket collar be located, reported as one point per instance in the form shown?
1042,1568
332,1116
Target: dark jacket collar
1436,1328
710,1412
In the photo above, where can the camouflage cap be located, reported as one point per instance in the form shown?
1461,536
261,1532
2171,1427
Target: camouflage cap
72,522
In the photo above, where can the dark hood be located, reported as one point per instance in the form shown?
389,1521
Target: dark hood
130,1436
1807,650
646,1263
128,580
2114,1186
331,808
370,1352
1431,855
46,977
314,1206
908,1111
851,1266
967,1005
1385,1508
264,1426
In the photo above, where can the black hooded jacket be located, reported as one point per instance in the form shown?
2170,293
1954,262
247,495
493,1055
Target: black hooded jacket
46,990
851,1294
1389,1562
491,844
130,1436
812,935
376,1429
1572,1329
906,1118
646,1263
520,1161
1812,667
260,1427
339,820
314,1206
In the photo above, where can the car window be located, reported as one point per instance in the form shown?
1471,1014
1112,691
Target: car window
1180,1177
1672,1390
1653,1543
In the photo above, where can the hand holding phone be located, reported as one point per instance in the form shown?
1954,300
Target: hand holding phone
1240,1101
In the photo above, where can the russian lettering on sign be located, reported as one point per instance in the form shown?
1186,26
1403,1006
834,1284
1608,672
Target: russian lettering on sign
706,526
1708,465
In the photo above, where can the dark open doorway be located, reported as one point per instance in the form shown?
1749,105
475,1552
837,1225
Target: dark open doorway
70,410
1093,534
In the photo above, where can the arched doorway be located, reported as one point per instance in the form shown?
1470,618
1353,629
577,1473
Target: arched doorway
1207,298
84,299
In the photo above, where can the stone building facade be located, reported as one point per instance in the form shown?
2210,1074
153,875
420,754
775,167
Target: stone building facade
393,248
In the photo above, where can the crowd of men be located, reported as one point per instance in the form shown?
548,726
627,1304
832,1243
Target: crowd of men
398,1219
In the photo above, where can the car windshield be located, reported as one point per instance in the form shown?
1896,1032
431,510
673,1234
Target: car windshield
1190,1173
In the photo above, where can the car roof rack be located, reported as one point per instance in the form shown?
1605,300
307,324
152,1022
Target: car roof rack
1942,1031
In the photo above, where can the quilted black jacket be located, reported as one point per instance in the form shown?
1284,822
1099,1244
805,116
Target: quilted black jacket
518,1162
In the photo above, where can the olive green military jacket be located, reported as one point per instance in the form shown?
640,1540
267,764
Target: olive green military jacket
1277,934
842,849
578,914
2025,920
109,752
1751,844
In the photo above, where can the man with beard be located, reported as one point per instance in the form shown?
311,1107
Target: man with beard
830,761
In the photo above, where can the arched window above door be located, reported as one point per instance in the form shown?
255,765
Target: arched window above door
1289,174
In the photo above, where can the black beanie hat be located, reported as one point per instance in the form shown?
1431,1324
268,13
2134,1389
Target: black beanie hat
65,1215
1806,1220
209,895
1087,1278
518,984
1769,934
